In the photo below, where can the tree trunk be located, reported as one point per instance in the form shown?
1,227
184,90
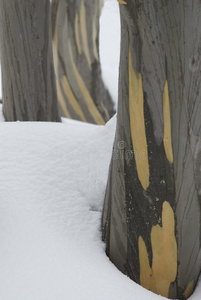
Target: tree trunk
81,92
29,89
151,216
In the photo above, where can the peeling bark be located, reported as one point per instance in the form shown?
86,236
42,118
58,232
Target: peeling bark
153,191
81,92
28,80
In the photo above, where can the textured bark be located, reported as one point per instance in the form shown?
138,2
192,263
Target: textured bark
81,91
151,215
29,88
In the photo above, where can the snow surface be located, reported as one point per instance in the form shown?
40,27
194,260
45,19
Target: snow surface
53,178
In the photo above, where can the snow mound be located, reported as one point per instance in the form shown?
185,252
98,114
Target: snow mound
53,178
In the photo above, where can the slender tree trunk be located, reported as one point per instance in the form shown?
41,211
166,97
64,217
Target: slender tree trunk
81,91
151,216
29,89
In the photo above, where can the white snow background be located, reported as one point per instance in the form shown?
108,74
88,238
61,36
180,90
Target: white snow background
52,183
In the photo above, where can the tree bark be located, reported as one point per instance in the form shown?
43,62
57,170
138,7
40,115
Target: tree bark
151,215
28,80
81,92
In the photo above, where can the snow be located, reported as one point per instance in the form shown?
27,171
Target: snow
52,182
53,178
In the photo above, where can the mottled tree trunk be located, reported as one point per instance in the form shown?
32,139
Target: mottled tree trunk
29,88
151,216
81,91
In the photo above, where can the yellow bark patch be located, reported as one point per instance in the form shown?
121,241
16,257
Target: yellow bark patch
122,1
164,263
167,139
137,125
105,110
56,68
94,37
83,28
72,99
77,35
189,289
86,95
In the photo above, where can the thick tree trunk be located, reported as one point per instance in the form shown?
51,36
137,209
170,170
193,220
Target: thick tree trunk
81,91
29,88
151,216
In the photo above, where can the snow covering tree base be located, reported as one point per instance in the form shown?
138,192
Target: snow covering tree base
151,216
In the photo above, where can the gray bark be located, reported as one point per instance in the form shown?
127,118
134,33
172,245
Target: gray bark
81,92
28,80
151,216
